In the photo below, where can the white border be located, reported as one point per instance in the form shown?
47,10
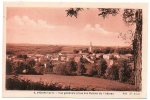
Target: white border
127,1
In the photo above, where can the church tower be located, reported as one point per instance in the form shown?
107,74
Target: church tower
90,48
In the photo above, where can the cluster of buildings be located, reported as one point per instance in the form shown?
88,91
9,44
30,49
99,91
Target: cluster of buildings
90,57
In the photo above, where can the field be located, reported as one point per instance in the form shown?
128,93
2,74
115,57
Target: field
89,83
45,49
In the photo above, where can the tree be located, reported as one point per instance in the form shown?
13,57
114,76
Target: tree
130,17
97,51
108,50
24,56
9,67
124,50
85,50
75,51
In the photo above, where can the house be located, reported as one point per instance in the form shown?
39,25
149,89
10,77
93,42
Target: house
88,59
80,51
98,55
39,55
48,56
45,65
63,58
117,56
55,58
77,58
106,56
30,55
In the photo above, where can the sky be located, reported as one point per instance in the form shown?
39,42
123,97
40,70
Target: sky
52,26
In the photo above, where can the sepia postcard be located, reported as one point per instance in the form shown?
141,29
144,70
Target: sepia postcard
75,50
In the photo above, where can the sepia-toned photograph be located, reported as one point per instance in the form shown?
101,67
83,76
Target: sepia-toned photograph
74,47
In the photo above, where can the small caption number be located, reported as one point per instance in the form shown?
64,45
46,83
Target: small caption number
131,93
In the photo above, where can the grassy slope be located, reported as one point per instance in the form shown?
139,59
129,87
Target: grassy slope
81,81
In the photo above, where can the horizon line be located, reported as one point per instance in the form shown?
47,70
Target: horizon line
60,44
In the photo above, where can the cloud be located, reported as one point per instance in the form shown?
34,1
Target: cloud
96,29
24,22
23,29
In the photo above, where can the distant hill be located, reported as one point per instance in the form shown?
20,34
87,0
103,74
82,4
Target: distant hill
45,48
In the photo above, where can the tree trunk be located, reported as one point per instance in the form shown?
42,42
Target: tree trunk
137,48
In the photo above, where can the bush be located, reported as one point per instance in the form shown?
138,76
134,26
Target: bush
10,52
24,68
63,69
112,73
60,69
85,50
71,64
124,70
81,68
124,51
97,51
131,80
108,50
120,70
101,67
22,56
9,67
31,62
20,84
91,71
75,51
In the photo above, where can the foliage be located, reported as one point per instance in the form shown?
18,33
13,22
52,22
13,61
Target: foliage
75,51
24,68
91,70
104,12
81,68
72,64
112,73
85,50
129,16
9,67
120,70
73,11
131,79
31,62
60,69
108,50
97,51
105,50
9,52
20,84
24,56
101,67
125,71
120,50
124,51
67,68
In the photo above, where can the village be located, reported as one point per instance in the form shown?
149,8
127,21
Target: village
75,63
